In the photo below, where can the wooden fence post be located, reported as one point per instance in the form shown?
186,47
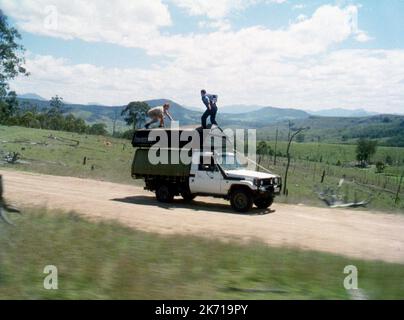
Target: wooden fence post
323,176
399,188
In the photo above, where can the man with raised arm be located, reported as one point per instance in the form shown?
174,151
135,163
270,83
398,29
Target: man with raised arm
209,100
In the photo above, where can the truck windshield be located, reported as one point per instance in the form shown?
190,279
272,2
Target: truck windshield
230,162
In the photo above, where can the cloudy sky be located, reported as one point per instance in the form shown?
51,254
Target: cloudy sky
300,54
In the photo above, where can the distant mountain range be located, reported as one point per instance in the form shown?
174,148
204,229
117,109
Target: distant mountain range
240,108
334,125
31,96
338,112
93,113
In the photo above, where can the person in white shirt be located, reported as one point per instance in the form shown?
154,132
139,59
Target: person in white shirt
158,114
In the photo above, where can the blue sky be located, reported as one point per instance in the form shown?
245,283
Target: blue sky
305,54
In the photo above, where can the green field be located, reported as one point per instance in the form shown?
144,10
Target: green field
102,260
57,153
311,160
110,159
334,153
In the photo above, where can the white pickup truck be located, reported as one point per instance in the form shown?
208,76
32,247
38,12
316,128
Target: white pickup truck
209,174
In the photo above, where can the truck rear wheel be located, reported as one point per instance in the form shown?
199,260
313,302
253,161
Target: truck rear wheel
241,201
164,194
264,202
187,196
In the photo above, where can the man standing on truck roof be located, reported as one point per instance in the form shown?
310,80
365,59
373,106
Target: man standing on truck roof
209,100
158,114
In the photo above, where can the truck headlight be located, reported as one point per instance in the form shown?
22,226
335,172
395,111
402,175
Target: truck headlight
257,182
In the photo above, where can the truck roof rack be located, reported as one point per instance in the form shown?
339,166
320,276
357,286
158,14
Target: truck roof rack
196,135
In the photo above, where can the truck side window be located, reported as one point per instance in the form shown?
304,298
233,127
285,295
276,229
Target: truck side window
207,164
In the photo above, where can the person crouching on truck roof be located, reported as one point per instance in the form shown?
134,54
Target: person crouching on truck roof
158,114
209,100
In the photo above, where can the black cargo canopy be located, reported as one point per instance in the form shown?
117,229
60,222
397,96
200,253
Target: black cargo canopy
175,138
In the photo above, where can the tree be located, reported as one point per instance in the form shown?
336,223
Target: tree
128,134
292,136
300,138
389,160
135,113
380,166
8,107
11,55
262,148
56,105
364,150
98,129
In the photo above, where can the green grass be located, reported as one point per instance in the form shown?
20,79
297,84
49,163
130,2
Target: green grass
332,153
107,158
103,260
309,160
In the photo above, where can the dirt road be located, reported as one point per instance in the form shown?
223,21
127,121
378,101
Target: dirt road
346,232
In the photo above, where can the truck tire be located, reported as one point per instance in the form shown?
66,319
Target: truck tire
264,202
164,194
187,196
241,200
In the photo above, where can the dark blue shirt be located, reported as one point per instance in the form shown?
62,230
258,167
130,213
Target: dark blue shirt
205,101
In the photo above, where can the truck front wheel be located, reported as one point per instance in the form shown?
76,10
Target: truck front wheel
264,202
241,200
164,194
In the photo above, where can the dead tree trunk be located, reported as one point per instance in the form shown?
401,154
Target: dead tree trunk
285,192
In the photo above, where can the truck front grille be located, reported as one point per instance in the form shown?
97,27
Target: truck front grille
271,182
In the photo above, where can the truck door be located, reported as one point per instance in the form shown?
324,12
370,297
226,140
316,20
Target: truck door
208,178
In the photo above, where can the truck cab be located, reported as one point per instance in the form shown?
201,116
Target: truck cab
222,174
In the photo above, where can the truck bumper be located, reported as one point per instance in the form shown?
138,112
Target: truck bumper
275,190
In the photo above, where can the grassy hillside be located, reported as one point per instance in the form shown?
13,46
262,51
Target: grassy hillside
62,153
106,114
330,153
109,261
387,129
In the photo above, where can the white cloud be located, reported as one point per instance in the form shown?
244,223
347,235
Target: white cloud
119,21
137,23
212,8
221,25
362,36
299,6
217,9
345,78
301,17
295,66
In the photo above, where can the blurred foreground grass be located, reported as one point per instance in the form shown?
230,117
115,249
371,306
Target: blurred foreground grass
105,260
